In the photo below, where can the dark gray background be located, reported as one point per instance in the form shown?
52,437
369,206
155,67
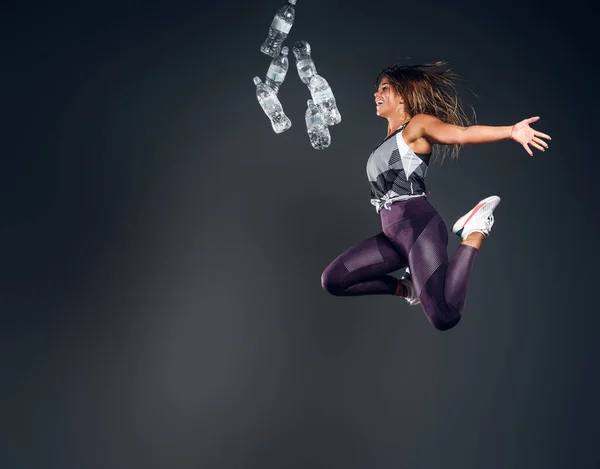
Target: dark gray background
162,247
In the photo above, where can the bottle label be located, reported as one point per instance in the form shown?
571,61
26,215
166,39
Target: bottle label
280,25
314,119
276,73
306,68
319,119
305,74
304,63
322,96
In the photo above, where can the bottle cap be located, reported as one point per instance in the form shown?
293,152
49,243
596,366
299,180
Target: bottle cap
293,2
284,50
256,80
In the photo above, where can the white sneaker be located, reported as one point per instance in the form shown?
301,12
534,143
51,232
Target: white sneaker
406,281
479,219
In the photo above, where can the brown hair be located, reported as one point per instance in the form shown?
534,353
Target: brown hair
426,91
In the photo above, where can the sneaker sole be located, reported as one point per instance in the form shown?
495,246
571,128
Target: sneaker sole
493,200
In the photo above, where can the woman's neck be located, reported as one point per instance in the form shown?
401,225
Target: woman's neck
395,122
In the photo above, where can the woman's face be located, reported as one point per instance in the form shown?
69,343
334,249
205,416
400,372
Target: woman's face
387,101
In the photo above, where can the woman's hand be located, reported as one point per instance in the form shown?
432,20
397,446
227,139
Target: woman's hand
525,135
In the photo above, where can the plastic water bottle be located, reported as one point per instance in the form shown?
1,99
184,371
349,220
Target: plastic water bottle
304,62
269,102
278,70
317,129
322,96
279,29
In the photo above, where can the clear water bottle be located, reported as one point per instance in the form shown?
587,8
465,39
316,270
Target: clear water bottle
317,129
279,29
269,102
304,62
278,70
322,96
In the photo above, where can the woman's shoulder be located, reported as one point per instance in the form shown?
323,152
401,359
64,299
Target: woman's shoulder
422,117
418,123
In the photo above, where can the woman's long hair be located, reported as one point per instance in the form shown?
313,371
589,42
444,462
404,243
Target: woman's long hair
429,91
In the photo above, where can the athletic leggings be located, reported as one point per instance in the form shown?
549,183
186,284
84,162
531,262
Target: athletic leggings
413,235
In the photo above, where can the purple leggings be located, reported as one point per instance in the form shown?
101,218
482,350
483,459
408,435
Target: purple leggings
413,235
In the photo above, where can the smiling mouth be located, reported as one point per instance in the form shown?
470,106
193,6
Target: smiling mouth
378,103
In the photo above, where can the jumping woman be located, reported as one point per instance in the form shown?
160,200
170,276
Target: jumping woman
425,118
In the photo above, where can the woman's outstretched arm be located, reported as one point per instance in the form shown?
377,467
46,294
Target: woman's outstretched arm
436,131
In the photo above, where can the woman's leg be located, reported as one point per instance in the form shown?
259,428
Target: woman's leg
362,269
441,285
415,228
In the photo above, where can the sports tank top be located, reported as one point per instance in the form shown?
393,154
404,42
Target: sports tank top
396,172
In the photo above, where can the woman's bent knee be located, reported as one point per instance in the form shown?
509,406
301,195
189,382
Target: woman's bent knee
444,324
331,285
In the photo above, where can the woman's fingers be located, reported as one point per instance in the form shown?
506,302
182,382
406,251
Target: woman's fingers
528,136
539,141
540,134
537,145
